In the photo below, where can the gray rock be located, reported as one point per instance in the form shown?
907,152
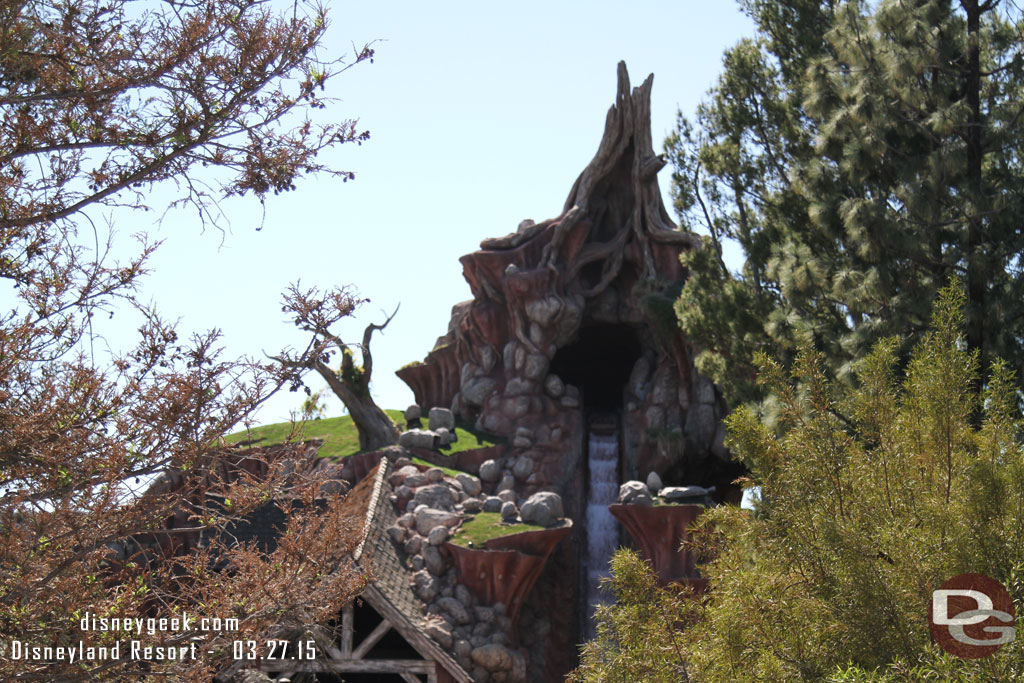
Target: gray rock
402,462
472,505
427,518
455,610
482,630
437,496
470,484
569,402
413,545
462,649
463,595
406,520
654,482
424,584
543,508
437,631
413,412
536,366
396,533
518,386
437,535
400,474
509,512
543,311
635,493
507,496
432,560
445,436
492,657
554,386
476,390
414,480
418,438
521,442
507,482
694,495
484,615
490,470
492,504
441,417
416,562
434,474
523,467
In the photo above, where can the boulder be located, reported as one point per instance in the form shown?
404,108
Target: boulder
413,412
476,391
509,512
472,505
543,508
414,480
441,418
413,545
418,438
470,484
436,629
553,386
437,535
635,493
434,474
490,470
427,518
399,476
492,504
437,496
492,657
654,482
455,609
523,467
424,584
432,560
693,495
507,483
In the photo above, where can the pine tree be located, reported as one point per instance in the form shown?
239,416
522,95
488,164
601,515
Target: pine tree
861,154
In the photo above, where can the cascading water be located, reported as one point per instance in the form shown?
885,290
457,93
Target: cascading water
602,529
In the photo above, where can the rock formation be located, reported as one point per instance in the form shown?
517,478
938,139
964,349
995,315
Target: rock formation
572,327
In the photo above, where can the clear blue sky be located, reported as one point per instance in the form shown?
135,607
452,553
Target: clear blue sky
481,115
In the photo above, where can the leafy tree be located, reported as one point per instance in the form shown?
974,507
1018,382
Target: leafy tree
860,154
98,102
861,520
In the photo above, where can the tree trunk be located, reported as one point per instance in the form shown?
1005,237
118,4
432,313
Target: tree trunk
376,430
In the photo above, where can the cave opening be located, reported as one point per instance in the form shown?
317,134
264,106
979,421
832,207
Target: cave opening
599,363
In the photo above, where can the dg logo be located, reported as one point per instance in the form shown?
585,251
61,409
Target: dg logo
972,616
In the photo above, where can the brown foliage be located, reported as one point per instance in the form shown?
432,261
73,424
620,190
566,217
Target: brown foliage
99,101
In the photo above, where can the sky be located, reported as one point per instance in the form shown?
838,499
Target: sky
481,115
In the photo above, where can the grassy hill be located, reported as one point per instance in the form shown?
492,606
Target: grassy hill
341,438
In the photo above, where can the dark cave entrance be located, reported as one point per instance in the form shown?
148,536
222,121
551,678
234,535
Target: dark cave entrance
599,363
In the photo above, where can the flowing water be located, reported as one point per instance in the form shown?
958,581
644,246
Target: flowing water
602,529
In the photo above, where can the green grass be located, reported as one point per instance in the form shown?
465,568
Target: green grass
487,525
341,438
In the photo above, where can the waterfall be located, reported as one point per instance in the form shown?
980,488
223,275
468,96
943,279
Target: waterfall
602,529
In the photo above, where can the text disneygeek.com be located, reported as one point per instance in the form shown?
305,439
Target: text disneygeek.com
133,649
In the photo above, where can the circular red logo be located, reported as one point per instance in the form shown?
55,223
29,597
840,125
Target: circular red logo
972,616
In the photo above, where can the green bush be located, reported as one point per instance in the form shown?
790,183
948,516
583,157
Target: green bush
871,498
